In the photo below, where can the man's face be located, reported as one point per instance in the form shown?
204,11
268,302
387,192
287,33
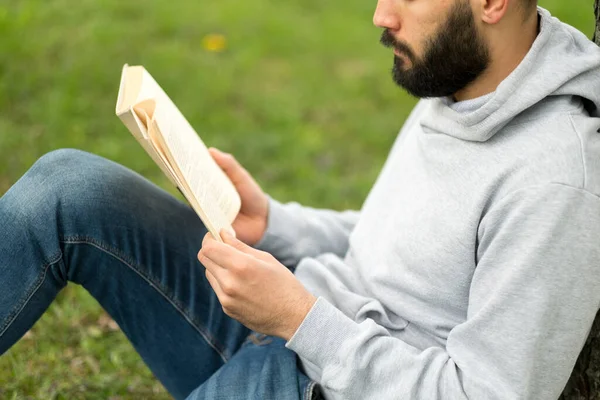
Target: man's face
450,58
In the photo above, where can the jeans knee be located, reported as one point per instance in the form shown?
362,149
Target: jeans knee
61,164
61,182
63,174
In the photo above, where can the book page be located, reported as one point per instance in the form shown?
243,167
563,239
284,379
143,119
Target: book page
201,184
207,181
213,190
143,112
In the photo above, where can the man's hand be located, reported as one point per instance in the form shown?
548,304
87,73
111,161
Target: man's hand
254,288
251,222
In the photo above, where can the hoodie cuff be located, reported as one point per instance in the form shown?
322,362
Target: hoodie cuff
322,333
275,237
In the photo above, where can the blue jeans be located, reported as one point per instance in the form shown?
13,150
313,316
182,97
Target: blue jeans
80,218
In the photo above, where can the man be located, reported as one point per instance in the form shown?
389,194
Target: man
471,272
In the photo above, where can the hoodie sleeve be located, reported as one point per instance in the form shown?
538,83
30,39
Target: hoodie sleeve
295,231
533,297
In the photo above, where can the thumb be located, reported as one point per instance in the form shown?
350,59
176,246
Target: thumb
229,165
230,239
234,242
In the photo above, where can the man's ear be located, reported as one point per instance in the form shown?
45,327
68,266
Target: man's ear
492,11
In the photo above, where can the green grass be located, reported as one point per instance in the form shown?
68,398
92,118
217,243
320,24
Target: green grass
302,96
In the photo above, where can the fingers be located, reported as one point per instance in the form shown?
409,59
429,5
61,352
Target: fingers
214,283
243,247
209,264
230,166
222,281
215,255
232,254
229,239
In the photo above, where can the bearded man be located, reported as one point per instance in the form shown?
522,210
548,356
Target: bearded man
472,270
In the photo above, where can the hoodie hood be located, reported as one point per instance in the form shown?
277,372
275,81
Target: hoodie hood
561,62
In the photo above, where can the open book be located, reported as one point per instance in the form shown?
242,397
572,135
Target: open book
170,140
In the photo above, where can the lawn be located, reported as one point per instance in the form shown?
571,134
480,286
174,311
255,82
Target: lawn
301,94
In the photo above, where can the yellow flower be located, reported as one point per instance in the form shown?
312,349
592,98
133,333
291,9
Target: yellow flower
214,42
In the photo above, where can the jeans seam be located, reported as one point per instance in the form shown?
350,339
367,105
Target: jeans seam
25,299
131,264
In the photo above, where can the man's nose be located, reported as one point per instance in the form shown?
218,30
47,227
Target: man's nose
385,15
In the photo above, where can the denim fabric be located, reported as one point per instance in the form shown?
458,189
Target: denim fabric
75,217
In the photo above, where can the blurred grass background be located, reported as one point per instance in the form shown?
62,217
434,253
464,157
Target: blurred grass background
301,94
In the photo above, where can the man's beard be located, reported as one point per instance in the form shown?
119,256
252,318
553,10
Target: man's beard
453,58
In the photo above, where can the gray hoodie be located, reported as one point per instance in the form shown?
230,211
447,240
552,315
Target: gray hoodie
473,269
